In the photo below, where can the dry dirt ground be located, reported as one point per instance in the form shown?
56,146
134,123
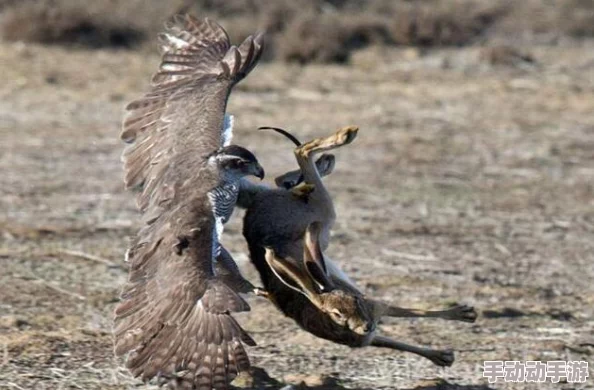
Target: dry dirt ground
468,183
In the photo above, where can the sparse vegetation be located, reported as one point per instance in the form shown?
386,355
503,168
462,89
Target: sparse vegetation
70,25
472,178
303,31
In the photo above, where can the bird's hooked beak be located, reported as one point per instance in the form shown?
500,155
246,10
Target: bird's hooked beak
258,171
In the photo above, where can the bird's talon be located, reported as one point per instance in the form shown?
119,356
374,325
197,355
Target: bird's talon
261,292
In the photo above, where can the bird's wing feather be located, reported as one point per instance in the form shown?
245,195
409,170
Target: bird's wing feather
174,319
184,112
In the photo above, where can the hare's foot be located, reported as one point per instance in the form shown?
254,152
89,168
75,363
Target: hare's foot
341,137
440,358
463,313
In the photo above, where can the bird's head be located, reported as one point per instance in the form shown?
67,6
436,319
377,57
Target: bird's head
236,162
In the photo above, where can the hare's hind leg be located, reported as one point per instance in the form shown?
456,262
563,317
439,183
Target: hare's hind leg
440,358
305,153
312,189
457,313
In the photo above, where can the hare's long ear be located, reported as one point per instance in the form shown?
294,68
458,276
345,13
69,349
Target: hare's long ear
292,276
313,257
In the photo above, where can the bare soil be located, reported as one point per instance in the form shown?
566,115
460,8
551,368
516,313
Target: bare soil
469,182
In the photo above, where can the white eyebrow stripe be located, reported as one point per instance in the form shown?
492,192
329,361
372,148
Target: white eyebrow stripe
224,157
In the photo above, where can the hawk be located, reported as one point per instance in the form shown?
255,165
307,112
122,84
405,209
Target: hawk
174,319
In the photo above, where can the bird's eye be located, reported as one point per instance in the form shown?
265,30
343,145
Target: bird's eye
237,163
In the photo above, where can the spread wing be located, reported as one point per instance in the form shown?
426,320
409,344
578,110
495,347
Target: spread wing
183,116
174,319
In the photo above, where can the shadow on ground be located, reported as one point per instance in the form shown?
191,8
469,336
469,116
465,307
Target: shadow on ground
258,378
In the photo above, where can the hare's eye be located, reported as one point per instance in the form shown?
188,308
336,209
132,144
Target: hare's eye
338,315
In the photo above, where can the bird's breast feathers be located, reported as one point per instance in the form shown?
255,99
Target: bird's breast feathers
222,201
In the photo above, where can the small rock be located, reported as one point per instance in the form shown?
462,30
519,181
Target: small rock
256,377
13,322
312,380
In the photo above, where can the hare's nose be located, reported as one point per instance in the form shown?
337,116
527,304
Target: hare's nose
369,327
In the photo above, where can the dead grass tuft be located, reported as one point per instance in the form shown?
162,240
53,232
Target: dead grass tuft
457,22
313,38
97,24
552,20
319,34
304,31
504,55
332,37
307,31
577,18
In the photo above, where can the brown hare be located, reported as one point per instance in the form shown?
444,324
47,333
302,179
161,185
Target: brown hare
287,233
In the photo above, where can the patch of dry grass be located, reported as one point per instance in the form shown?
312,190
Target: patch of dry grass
302,32
549,19
465,185
504,55
102,23
332,37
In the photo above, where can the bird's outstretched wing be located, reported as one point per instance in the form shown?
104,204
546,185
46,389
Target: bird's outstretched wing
174,319
183,115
